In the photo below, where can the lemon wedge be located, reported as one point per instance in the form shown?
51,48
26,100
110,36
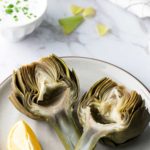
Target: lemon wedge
21,137
102,29
89,12
76,10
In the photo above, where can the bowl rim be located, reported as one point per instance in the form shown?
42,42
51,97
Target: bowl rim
2,26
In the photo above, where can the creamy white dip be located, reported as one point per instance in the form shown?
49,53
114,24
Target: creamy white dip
20,12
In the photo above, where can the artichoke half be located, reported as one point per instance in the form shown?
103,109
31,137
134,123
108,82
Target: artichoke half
47,90
110,112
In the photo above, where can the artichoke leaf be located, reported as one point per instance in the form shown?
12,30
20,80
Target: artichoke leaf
70,24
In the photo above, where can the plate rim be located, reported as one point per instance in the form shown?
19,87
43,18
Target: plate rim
98,60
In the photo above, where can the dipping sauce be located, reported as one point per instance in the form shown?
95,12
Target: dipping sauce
20,12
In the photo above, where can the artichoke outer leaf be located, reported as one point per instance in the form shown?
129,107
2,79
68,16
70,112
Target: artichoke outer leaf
71,23
132,130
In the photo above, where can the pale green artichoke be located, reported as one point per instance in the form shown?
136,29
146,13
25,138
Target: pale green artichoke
47,90
111,113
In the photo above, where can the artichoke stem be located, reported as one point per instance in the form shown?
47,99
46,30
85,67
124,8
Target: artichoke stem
88,140
91,136
65,129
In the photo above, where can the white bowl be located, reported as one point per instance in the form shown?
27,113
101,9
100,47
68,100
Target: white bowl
18,32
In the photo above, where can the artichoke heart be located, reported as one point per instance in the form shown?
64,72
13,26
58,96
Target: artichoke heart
112,113
47,90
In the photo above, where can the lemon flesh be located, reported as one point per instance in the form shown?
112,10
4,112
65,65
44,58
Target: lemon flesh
21,137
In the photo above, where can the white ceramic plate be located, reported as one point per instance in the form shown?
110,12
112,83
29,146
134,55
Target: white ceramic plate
88,71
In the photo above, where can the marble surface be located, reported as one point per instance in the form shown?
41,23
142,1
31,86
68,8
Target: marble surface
127,45
141,8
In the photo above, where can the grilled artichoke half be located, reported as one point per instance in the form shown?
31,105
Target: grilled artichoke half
47,90
110,112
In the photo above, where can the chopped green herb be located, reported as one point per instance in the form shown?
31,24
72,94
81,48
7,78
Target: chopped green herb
9,11
15,18
25,10
17,9
17,2
10,6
